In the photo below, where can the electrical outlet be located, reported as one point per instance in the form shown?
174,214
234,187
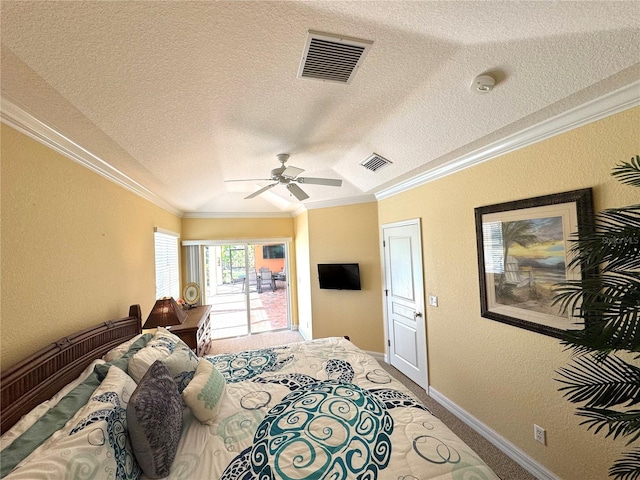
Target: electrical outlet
539,434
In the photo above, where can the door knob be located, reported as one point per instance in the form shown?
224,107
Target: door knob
417,314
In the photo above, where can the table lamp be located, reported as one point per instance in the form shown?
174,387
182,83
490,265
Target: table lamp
165,312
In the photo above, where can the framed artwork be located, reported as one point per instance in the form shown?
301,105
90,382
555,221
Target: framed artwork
523,251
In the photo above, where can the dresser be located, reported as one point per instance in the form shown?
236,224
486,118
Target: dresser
195,331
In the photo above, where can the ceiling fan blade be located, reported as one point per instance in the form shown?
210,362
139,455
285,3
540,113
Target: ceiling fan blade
292,172
297,191
251,180
263,189
320,181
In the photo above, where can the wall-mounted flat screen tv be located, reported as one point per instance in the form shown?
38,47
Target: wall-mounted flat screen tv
339,276
273,251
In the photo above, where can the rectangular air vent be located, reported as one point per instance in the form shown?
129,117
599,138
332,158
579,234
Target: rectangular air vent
332,58
375,162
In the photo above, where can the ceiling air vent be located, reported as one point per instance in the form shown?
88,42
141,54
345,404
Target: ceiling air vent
332,58
375,162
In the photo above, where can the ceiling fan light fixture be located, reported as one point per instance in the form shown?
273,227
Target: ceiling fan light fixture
287,175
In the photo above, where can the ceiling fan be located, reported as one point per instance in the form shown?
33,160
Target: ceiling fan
288,176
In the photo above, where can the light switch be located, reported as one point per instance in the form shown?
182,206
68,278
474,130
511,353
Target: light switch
433,300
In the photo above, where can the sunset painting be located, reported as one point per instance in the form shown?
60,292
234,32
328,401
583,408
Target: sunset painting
524,247
533,261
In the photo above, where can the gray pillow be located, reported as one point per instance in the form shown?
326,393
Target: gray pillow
154,418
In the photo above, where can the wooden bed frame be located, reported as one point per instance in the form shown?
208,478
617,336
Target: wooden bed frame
40,376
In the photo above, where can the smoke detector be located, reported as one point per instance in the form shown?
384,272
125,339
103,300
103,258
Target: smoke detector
483,84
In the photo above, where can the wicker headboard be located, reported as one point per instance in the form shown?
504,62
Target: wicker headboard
39,377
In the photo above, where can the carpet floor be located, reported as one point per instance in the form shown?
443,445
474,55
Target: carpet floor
501,464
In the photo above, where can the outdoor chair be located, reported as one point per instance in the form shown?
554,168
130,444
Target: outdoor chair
253,281
266,280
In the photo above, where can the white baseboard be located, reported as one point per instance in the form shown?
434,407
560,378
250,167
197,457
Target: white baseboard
508,448
294,328
305,334
380,357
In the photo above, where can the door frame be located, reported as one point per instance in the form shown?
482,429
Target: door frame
387,354
286,241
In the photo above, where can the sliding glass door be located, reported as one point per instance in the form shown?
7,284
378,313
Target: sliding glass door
246,284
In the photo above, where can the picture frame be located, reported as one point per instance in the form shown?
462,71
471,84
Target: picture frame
523,251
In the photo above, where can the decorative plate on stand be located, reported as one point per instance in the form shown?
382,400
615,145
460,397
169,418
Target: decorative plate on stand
191,293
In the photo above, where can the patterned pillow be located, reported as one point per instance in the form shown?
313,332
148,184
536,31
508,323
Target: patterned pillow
93,442
123,362
204,393
159,347
117,352
154,415
182,365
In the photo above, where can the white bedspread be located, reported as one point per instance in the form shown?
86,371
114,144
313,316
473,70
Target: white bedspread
320,409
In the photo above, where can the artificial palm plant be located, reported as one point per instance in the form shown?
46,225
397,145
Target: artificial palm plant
607,298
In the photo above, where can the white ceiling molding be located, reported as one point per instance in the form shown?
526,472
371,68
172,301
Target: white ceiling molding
605,106
228,241
238,215
340,202
16,117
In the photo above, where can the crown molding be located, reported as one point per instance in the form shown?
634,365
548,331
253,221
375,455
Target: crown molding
17,118
304,207
615,102
340,202
237,215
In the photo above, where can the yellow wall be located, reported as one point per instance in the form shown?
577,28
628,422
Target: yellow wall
70,237
247,229
347,234
501,374
236,228
76,248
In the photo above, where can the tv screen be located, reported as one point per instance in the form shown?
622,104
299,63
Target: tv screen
339,276
273,251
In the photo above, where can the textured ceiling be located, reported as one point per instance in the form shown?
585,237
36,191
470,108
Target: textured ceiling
180,96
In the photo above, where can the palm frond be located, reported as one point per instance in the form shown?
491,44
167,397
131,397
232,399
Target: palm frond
614,239
610,308
607,300
608,292
601,382
627,467
628,172
620,424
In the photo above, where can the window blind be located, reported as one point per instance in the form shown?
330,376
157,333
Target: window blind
167,268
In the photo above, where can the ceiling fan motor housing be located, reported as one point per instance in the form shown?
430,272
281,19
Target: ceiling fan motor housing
276,173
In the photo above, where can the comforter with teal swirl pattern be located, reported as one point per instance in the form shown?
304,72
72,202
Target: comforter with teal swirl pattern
319,410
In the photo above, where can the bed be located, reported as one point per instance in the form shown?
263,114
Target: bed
318,409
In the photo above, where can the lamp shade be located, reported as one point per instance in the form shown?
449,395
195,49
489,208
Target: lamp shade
164,313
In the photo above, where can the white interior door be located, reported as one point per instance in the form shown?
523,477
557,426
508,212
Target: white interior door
405,300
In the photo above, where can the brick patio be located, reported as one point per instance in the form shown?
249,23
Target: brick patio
228,313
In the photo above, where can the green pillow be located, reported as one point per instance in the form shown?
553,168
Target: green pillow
204,393
61,413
